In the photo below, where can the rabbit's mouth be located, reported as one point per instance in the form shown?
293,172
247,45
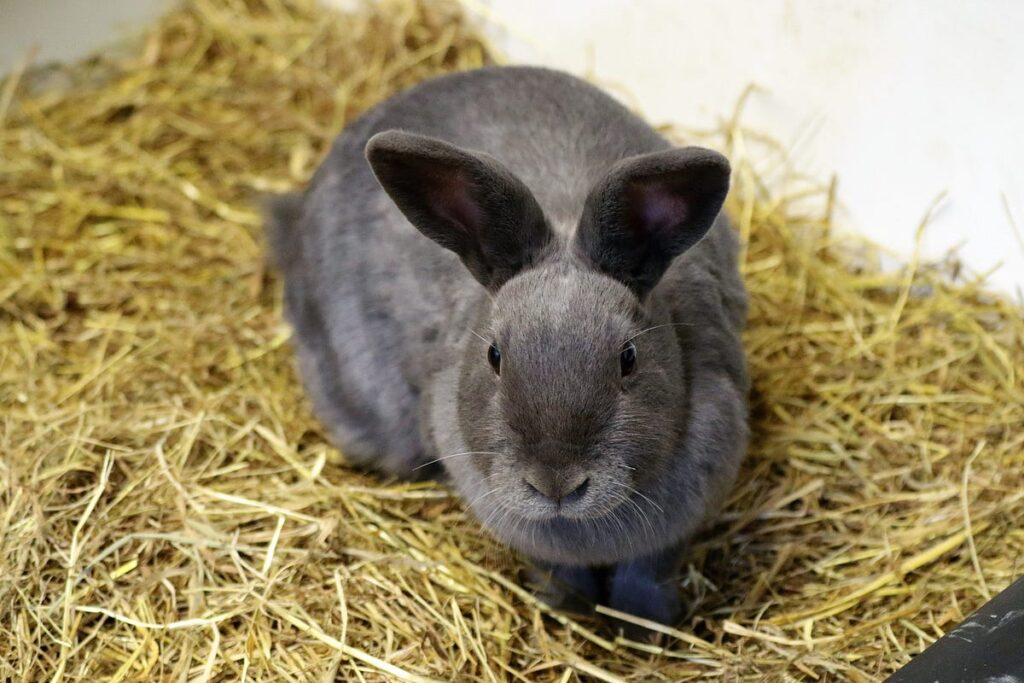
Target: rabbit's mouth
582,504
546,511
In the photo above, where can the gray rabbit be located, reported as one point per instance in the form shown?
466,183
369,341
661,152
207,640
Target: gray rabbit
571,356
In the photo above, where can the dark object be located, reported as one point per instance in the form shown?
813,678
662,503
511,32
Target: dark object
988,647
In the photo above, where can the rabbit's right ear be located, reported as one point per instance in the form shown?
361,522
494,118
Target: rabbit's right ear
465,201
649,209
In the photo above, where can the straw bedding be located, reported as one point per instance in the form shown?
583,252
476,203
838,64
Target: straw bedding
169,510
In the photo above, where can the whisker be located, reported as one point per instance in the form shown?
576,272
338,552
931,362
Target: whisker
659,508
624,532
479,498
657,327
643,513
490,476
501,524
453,455
516,522
638,493
479,336
491,516
597,522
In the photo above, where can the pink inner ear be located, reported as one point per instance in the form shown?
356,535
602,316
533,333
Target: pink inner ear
449,195
657,208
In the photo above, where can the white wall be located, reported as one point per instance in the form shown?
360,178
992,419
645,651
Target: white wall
903,100
68,29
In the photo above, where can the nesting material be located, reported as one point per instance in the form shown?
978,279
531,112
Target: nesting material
169,509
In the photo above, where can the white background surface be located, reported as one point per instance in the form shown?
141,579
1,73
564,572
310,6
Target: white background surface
903,100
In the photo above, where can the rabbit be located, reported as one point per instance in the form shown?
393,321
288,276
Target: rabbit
506,274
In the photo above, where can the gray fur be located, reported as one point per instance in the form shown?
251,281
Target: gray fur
569,226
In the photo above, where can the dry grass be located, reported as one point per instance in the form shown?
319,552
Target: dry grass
169,510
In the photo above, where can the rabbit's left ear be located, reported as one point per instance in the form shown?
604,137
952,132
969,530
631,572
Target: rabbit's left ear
465,201
648,210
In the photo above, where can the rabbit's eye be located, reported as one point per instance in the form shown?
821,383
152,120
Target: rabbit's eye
494,358
627,359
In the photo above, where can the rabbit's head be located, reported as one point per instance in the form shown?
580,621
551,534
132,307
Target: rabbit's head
571,388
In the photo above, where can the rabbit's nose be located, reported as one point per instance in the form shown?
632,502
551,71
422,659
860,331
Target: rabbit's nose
558,490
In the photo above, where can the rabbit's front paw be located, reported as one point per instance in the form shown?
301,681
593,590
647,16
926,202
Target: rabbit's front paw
571,589
638,591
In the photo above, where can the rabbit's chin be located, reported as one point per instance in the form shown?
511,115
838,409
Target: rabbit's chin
537,510
538,513
596,539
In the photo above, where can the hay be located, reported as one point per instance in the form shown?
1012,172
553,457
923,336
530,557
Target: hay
170,510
